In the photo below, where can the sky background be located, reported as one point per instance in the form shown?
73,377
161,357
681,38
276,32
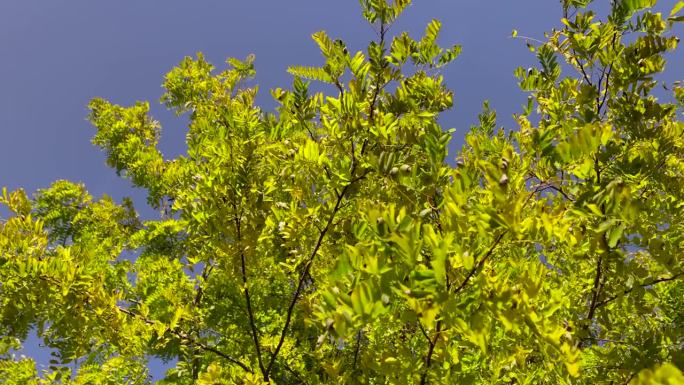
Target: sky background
55,55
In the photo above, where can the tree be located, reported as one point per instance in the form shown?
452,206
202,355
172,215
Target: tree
331,242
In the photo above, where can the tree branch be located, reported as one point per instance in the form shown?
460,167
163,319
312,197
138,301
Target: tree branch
339,87
480,263
185,337
629,290
302,278
248,301
581,68
596,289
357,349
205,275
610,70
294,373
431,350
376,90
198,299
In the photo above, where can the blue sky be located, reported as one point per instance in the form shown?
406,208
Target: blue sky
55,55
58,54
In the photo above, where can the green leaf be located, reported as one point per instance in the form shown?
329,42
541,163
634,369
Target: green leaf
614,235
312,73
676,8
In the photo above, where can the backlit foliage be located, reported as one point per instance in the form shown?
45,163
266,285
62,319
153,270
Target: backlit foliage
331,242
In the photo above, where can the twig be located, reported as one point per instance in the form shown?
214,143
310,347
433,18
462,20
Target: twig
610,70
480,263
581,67
629,290
289,369
205,275
185,337
629,379
596,289
376,90
248,301
431,350
339,87
302,278
358,348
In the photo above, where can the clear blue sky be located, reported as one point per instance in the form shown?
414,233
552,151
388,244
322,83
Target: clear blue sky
55,55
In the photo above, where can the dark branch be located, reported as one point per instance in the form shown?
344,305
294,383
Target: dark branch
181,335
376,90
302,278
596,289
357,349
205,275
339,87
610,70
431,351
248,301
479,265
197,301
581,67
185,337
629,290
294,373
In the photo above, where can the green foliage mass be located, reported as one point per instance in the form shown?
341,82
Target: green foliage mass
331,242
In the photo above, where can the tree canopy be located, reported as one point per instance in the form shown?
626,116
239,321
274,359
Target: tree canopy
333,241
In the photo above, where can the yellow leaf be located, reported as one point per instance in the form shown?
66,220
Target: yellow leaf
573,368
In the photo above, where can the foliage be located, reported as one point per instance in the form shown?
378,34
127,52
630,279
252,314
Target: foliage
330,242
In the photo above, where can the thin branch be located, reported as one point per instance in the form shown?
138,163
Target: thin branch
563,193
629,379
581,68
205,275
481,263
353,155
605,90
360,177
294,373
248,301
198,299
220,354
610,70
339,87
183,336
250,313
598,89
431,350
596,289
302,278
526,38
422,330
376,90
327,171
363,146
629,290
357,349
547,185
